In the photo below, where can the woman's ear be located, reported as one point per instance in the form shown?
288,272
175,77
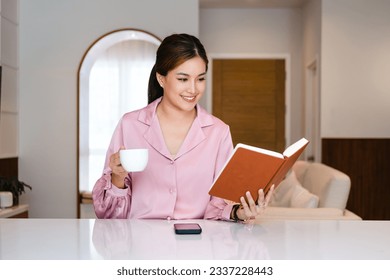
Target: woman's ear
160,79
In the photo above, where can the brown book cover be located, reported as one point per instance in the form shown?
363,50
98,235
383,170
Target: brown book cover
250,168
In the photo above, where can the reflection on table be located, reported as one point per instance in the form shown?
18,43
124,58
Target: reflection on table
74,239
152,239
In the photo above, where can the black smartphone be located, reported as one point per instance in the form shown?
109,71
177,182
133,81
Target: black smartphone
187,228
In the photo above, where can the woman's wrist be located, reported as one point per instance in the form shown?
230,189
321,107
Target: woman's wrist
240,214
117,181
233,214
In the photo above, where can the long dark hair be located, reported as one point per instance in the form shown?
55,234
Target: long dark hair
173,51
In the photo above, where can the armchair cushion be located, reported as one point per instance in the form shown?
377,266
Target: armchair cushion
330,185
290,193
328,189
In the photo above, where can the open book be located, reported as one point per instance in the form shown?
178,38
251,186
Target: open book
250,168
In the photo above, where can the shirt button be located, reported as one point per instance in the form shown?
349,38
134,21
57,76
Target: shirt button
168,218
172,162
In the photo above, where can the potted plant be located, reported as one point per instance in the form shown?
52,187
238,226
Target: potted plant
14,186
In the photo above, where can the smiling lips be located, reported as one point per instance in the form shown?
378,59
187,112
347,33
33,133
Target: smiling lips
189,98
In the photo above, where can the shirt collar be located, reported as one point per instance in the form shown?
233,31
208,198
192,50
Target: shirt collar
154,137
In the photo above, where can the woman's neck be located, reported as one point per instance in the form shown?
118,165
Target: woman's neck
175,125
175,115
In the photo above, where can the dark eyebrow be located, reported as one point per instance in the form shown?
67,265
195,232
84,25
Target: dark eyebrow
184,74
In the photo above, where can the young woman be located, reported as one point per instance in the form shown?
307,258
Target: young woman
187,147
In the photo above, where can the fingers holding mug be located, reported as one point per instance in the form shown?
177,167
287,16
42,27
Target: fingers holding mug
115,162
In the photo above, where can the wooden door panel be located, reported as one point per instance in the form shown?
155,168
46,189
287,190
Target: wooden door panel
248,94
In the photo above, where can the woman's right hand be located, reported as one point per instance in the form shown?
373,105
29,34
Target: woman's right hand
118,174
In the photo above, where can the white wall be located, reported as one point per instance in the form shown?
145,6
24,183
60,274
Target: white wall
54,35
311,98
9,114
311,31
355,69
260,32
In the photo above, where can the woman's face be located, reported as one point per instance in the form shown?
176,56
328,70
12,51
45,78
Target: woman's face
184,85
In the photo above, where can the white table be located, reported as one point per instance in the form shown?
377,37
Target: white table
74,239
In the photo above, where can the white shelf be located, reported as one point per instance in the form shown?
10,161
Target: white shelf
13,211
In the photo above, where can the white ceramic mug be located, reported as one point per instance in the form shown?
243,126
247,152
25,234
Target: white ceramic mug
134,160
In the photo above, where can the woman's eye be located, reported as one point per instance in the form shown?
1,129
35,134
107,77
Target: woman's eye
202,79
182,79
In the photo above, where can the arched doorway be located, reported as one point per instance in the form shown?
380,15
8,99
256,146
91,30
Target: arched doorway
112,80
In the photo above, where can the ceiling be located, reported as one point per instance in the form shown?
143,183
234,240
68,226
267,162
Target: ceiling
251,3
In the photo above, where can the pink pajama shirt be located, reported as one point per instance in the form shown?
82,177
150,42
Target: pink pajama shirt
170,187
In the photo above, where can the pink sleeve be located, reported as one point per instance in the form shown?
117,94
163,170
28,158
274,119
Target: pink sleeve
108,200
218,208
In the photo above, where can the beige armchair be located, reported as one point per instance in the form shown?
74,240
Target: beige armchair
311,191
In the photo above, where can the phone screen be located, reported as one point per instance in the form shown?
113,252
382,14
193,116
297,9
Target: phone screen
187,228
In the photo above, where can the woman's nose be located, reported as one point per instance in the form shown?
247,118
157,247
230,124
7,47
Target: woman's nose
192,87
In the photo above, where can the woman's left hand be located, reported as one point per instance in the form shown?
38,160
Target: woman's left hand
249,209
